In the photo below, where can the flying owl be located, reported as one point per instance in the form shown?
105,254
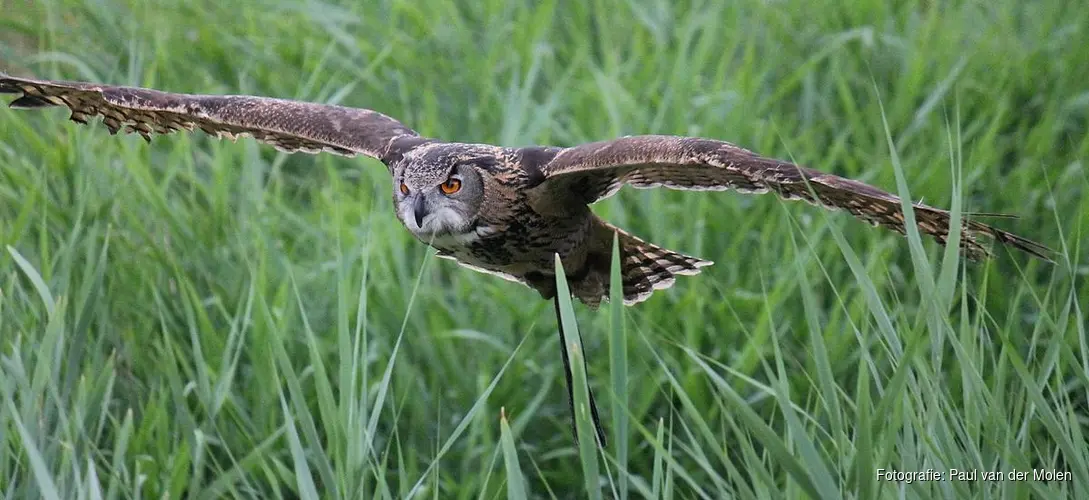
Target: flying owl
503,210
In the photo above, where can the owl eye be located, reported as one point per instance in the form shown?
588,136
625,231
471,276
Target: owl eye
404,188
451,186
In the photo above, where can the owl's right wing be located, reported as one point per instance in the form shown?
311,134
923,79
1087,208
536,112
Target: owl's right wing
583,174
287,125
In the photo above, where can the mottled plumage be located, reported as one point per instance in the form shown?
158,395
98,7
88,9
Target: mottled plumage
529,203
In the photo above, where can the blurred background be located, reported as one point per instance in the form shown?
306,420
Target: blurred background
203,318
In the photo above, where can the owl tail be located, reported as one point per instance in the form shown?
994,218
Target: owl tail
646,267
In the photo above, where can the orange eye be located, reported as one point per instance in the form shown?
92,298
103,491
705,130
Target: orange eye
404,188
451,186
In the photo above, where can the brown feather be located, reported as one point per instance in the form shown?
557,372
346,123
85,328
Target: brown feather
590,172
287,125
646,267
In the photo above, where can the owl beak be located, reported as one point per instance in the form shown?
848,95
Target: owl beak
419,210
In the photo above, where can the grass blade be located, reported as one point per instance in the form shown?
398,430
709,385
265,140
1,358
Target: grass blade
588,445
516,483
618,369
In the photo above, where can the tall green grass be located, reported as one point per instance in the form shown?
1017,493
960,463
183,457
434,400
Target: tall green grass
205,319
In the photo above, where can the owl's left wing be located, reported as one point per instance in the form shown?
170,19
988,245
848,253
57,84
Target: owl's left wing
589,172
509,277
285,124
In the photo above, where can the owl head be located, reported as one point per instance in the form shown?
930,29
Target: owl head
438,191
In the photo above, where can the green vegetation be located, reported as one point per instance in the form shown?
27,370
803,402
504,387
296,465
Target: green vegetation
200,319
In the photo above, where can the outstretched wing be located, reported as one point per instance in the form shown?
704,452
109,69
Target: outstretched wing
287,125
589,172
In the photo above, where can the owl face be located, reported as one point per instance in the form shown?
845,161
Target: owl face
438,206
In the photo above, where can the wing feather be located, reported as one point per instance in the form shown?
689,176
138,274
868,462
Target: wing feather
291,126
589,172
507,276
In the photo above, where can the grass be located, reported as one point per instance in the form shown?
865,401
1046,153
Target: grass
204,319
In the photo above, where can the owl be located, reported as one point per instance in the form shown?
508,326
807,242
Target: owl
509,211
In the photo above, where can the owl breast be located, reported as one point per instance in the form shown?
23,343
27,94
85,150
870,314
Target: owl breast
518,247
482,249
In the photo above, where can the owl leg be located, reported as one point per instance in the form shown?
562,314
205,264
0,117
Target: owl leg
570,386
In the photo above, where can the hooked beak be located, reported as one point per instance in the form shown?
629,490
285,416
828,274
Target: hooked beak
419,210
